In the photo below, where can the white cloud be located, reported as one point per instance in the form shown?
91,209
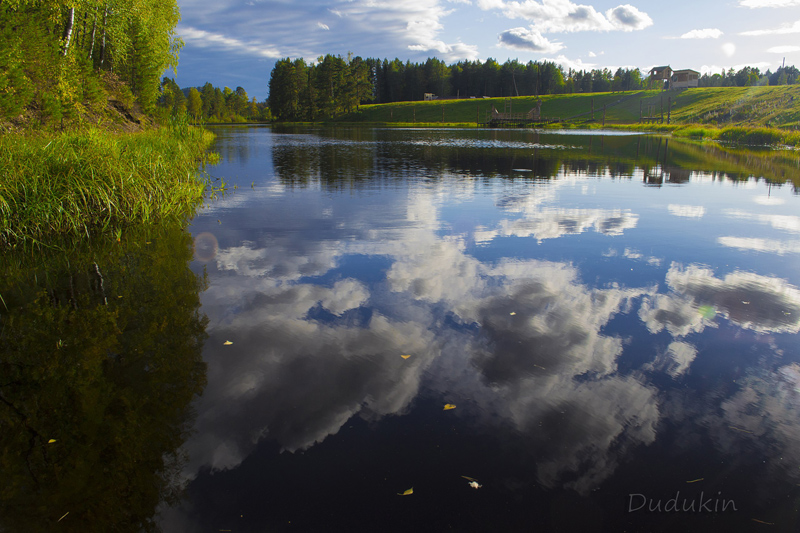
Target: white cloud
323,26
557,16
204,39
787,49
761,245
729,49
768,3
790,223
528,39
628,18
677,359
551,223
783,30
567,63
706,33
688,211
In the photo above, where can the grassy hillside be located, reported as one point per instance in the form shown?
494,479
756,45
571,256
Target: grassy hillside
777,106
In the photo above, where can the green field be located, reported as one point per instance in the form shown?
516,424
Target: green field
777,106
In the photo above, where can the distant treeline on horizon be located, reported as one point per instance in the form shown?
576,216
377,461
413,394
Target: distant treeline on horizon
334,85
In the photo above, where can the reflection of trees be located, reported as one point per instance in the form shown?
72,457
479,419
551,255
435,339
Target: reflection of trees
100,351
360,156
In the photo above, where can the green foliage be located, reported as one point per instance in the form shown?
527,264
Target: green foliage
330,88
50,108
333,86
212,105
61,48
80,183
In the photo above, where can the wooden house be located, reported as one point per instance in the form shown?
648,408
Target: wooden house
663,74
681,79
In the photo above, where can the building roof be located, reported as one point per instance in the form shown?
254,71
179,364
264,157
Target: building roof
684,70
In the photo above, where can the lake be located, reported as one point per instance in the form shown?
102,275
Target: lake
423,330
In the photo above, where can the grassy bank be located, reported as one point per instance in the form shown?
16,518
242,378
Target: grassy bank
750,115
72,184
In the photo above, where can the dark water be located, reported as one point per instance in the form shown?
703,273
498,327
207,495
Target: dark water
614,317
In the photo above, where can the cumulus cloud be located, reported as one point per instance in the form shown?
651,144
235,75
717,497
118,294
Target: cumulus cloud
628,18
759,303
551,223
706,33
528,39
558,16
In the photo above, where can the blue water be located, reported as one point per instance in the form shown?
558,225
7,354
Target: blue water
615,319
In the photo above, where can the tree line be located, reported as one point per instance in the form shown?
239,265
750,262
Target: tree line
211,104
333,85
751,76
55,52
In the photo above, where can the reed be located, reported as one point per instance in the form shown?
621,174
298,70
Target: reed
91,182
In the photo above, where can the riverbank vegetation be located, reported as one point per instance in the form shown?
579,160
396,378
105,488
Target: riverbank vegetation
56,54
80,183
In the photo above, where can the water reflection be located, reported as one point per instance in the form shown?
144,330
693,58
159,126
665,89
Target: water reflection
599,337
99,361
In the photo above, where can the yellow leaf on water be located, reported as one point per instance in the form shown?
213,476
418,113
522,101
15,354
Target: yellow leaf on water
406,493
51,441
405,356
696,480
227,343
449,406
469,478
512,313
63,517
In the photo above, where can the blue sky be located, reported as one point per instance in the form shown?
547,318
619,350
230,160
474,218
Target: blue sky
236,42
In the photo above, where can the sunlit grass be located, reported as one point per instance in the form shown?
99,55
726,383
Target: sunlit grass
93,181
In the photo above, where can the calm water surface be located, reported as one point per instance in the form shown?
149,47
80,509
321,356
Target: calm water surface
614,317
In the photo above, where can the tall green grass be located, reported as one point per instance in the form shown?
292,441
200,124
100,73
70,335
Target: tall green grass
93,181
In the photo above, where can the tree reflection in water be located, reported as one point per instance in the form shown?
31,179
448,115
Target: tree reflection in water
100,357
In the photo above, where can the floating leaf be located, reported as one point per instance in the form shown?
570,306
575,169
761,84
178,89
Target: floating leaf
406,493
512,313
469,478
405,356
696,480
227,343
474,485
62,518
51,441
449,406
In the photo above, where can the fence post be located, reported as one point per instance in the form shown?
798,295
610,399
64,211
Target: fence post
669,108
604,115
592,108
640,111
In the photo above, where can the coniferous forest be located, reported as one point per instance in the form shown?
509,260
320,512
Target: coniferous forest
332,85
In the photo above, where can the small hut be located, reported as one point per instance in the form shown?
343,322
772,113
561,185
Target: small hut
682,79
